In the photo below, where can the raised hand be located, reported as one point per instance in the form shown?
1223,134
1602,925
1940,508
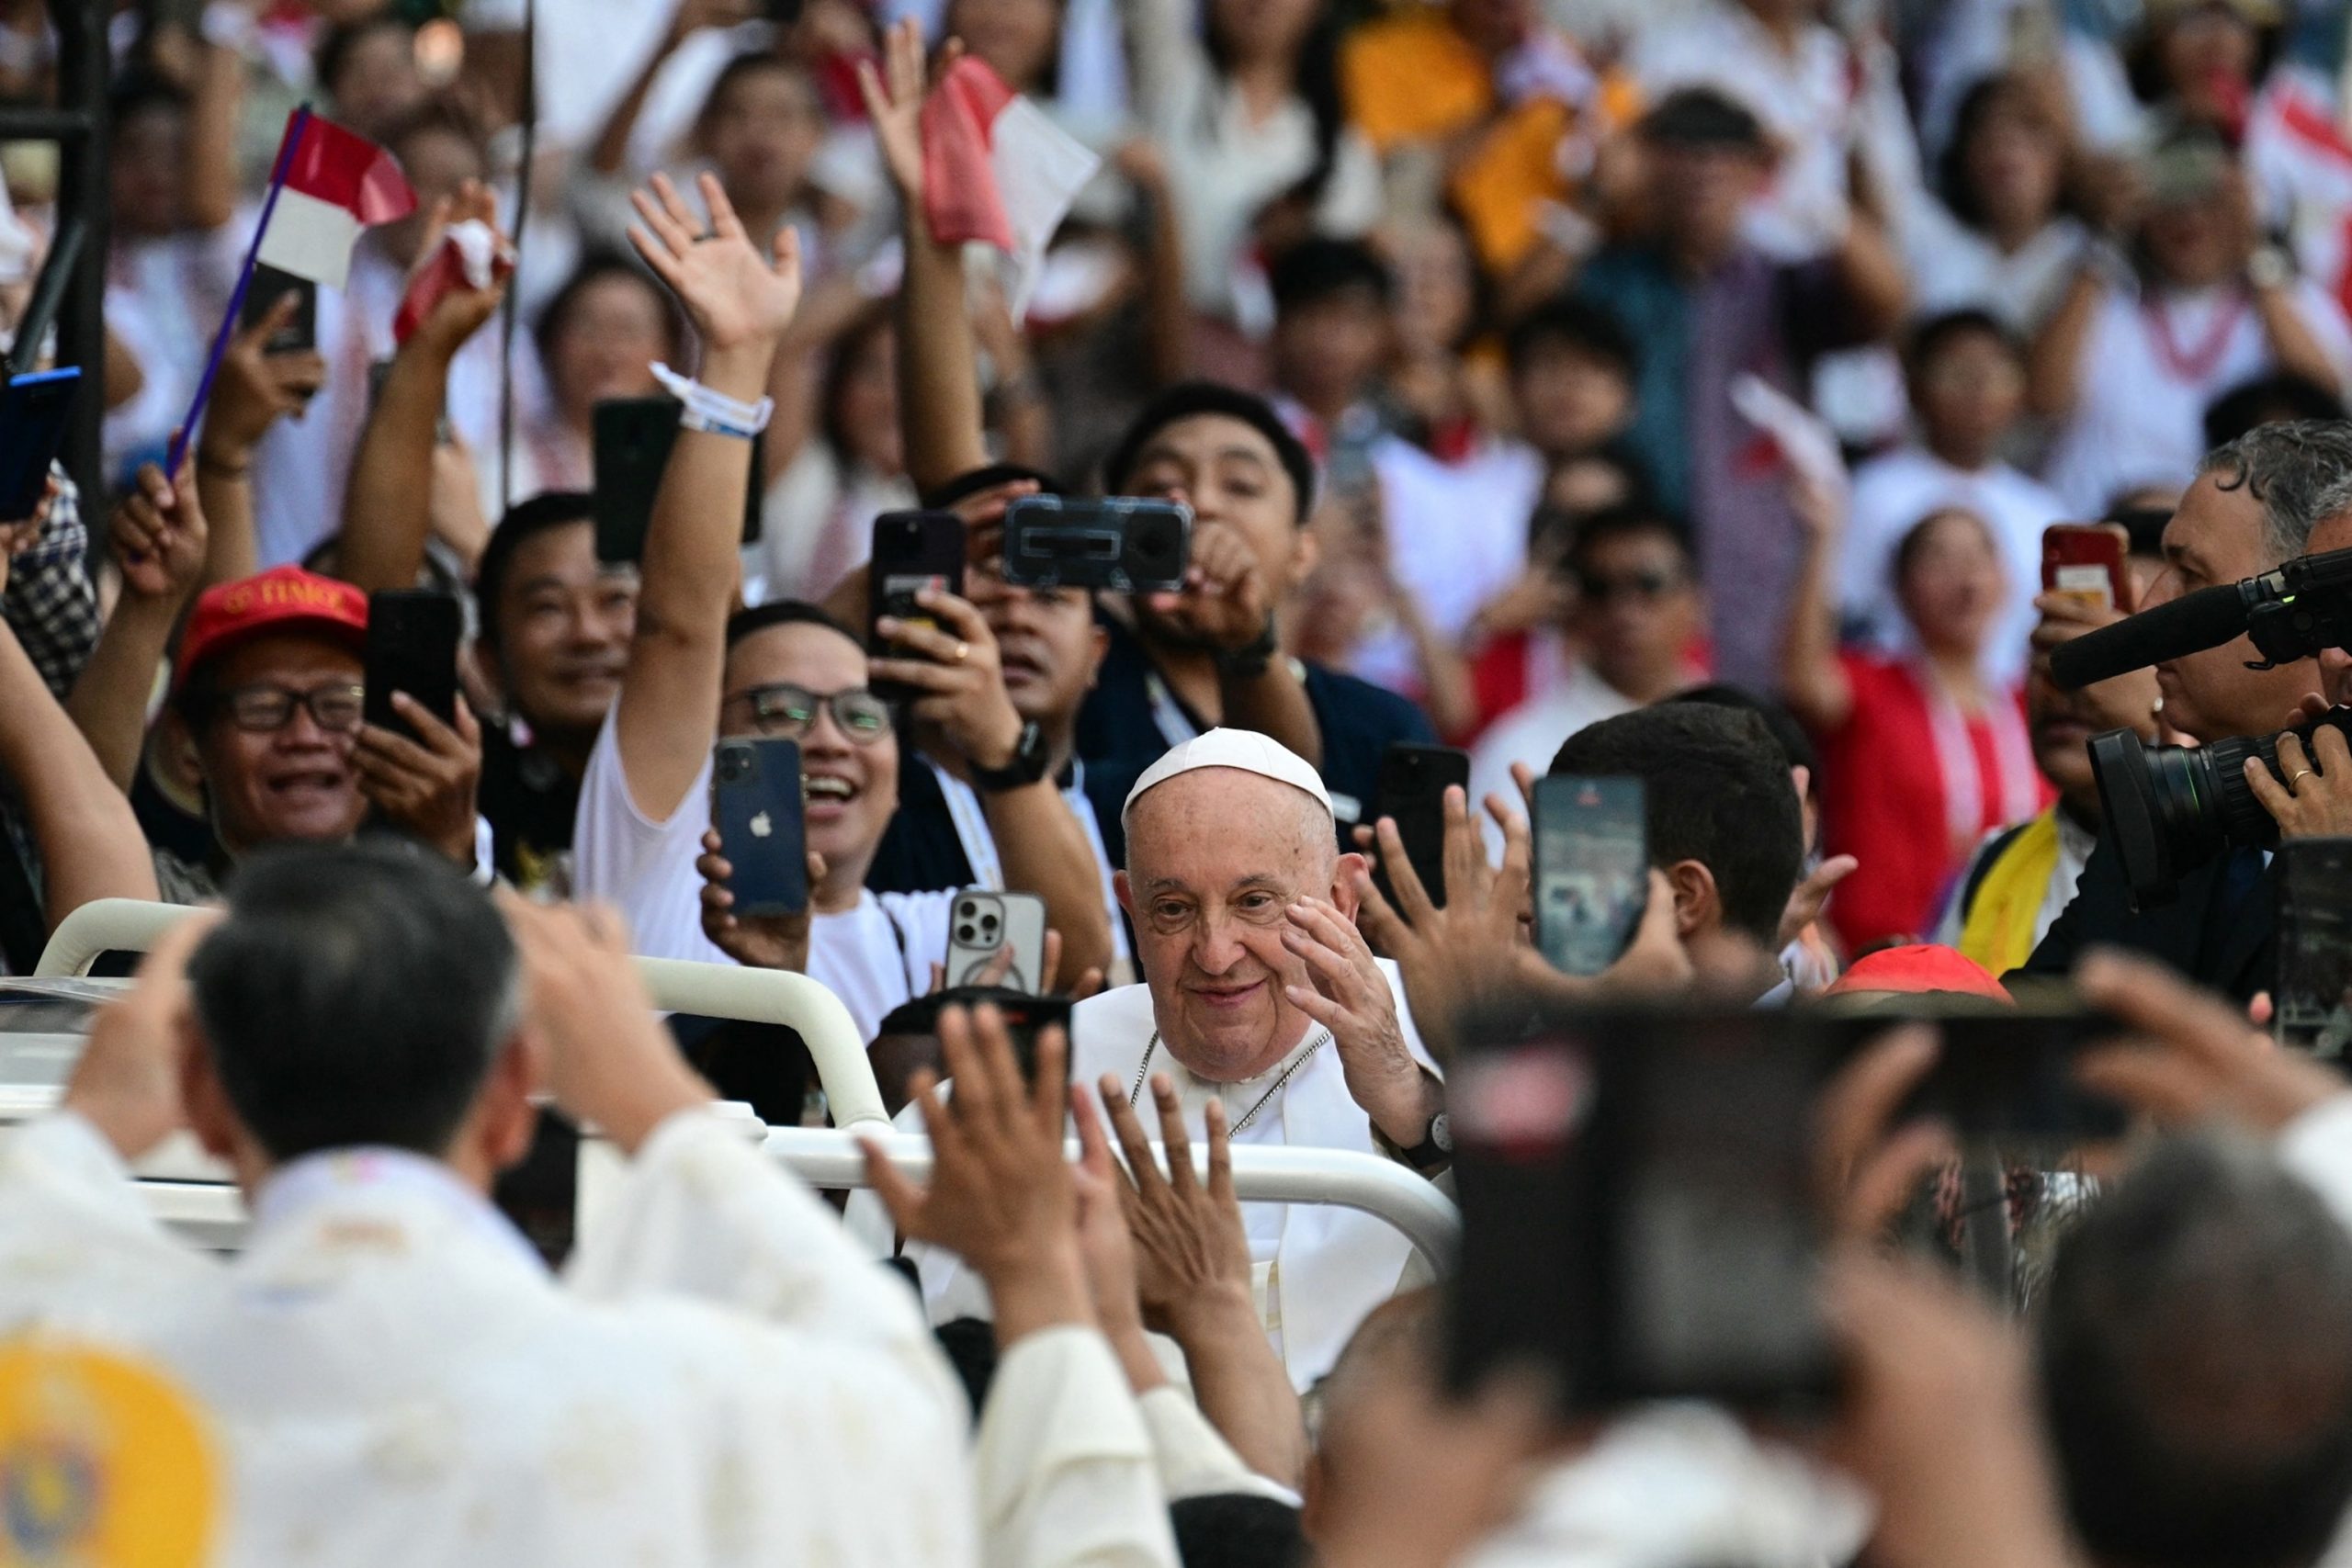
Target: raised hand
957,676
1345,991
127,1081
1191,1250
894,104
736,298
756,942
1225,601
255,389
158,537
462,311
2197,1058
426,785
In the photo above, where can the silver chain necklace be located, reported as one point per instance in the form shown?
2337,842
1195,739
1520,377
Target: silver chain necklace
1322,1038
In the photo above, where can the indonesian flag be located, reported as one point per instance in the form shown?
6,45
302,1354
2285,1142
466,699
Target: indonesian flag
469,256
996,170
335,185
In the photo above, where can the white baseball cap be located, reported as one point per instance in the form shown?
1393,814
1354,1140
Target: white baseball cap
1244,749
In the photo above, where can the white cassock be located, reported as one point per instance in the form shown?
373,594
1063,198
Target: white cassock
1319,1268
394,1379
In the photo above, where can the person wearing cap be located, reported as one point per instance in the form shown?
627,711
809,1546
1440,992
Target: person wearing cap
1177,664
1710,308
1257,993
2127,364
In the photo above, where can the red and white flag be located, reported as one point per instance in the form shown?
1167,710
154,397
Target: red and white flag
996,170
337,186
471,255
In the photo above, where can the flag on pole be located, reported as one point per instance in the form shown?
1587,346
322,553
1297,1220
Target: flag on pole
337,185
996,170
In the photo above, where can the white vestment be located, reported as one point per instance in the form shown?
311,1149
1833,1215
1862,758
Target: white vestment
1319,1268
393,1378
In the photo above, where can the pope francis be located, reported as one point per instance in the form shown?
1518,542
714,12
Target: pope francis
1258,991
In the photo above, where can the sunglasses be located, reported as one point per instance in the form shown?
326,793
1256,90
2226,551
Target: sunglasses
790,712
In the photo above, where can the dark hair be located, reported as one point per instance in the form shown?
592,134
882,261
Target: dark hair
1717,792
783,613
863,328
1936,333
2275,399
1628,522
2196,1378
1980,103
525,521
1915,539
1703,117
2287,468
354,994
1188,400
2143,57
749,64
135,92
1578,325
1315,78
1236,1529
596,267
437,114
1318,269
987,475
334,51
1795,745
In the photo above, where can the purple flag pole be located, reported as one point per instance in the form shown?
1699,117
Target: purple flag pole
295,124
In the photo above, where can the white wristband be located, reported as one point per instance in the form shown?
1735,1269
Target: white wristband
711,411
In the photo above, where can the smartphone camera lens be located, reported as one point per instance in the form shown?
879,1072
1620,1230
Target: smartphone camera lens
963,932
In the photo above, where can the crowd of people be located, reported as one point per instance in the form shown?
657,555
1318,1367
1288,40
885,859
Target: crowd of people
1678,392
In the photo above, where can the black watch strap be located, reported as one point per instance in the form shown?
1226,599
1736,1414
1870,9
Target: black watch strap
1436,1147
1251,660
1028,764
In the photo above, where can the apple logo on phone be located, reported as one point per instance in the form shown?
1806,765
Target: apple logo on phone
761,826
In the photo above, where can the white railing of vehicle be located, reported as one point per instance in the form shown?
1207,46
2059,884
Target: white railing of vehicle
713,990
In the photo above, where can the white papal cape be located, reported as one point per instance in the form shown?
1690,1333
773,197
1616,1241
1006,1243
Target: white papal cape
1319,1269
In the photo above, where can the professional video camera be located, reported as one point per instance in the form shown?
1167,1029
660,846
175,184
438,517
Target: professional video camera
2171,809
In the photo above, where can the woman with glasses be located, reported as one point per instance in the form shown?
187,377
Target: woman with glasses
1923,753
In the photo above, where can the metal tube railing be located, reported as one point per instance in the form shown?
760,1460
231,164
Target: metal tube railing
714,990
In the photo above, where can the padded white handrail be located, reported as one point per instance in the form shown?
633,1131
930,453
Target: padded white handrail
829,1157
714,990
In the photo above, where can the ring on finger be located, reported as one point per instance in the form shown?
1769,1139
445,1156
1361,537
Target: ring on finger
2299,775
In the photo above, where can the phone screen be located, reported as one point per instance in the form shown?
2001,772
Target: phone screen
1591,869
2313,1002
412,646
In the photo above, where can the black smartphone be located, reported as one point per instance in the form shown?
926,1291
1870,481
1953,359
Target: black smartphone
913,551
1591,869
630,441
1025,1017
412,646
1638,1214
2312,1001
2006,1076
540,1197
756,805
33,410
1120,544
1412,785
267,287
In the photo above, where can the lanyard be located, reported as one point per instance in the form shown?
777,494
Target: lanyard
2195,365
1167,715
1956,760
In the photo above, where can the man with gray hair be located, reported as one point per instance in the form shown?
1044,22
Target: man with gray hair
2311,794
2253,505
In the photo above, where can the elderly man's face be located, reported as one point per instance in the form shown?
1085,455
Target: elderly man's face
1214,859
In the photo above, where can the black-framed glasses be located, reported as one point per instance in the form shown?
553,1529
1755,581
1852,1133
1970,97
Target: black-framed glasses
791,711
1650,586
265,708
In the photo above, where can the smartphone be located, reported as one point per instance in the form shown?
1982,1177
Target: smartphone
1120,544
913,551
2085,560
2006,1076
33,410
981,923
757,807
268,286
411,645
540,1197
1025,1017
1412,785
630,440
2313,999
1637,1210
1591,869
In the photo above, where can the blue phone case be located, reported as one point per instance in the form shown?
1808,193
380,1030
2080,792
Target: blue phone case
33,410
755,804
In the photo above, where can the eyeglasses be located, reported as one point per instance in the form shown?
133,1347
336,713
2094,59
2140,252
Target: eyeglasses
791,712
1647,585
264,709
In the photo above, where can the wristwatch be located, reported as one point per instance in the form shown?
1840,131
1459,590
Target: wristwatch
1435,1149
1028,764
1252,659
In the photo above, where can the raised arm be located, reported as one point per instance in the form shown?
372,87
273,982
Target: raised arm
939,391
255,389
1811,678
2055,368
740,304
387,507
610,155
159,542
89,842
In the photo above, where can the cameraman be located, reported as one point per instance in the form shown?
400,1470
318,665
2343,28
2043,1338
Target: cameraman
2311,794
2252,507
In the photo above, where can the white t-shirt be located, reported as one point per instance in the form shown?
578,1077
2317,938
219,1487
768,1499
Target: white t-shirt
1953,267
1457,537
873,957
1891,494
2140,417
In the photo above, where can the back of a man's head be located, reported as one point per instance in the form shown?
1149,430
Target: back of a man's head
2288,468
2196,1352
1717,792
353,995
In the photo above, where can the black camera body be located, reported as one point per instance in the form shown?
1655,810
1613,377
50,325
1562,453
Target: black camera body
2169,810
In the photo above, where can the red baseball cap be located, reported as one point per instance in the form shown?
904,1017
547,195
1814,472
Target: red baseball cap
1924,967
284,598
